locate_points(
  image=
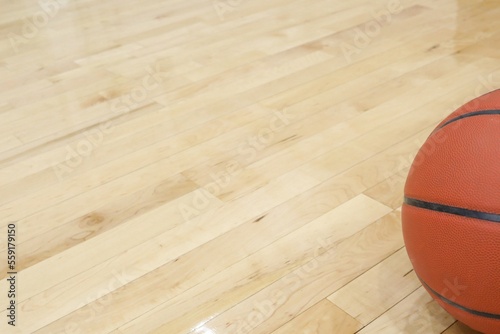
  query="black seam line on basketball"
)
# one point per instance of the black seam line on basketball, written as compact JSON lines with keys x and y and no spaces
{"x":492,"y":217}
{"x":461,"y":307}
{"x":471,"y":114}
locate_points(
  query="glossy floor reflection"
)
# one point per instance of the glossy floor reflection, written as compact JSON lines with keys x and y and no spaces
{"x":216,"y":166}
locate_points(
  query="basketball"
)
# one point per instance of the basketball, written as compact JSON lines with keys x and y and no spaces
{"x":451,"y":214}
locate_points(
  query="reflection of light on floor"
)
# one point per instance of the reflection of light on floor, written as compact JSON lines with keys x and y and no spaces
{"x":203,"y":330}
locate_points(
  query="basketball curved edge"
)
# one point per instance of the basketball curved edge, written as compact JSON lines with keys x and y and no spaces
{"x":486,"y":323}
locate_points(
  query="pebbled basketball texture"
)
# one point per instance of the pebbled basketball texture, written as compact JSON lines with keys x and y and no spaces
{"x":451,"y":215}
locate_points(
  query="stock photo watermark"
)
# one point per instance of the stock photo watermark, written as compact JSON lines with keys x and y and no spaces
{"x":224,"y":7}
{"x":487,"y":83}
{"x":248,"y":151}
{"x":364,"y":35}
{"x":424,"y":317}
{"x":92,"y":139}
{"x":35,"y":23}
{"x":12,"y":279}
{"x":96,"y":303}
{"x":264,"y":309}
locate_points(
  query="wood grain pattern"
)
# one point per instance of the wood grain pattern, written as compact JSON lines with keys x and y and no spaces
{"x":365,"y":300}
{"x":322,"y":318}
{"x":216,"y":166}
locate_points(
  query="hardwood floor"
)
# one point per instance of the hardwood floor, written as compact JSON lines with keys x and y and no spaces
{"x":224,"y":166}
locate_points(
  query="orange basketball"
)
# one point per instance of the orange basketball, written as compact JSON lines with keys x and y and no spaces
{"x":451,"y":214}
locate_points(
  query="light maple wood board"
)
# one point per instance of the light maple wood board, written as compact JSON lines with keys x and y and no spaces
{"x":216,"y":166}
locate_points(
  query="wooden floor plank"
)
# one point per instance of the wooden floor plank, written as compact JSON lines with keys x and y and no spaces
{"x":184,"y":314}
{"x":427,"y":317}
{"x":300,"y":284}
{"x":322,"y":318}
{"x":459,"y":328}
{"x":171,"y":166}
{"x":360,"y":299}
